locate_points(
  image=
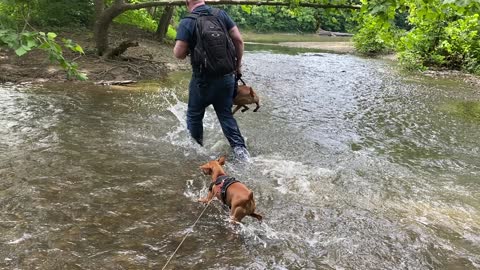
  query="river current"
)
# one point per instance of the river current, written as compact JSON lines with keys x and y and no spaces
{"x":355,"y":165}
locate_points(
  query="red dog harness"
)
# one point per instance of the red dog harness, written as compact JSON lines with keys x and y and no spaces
{"x":221,"y":185}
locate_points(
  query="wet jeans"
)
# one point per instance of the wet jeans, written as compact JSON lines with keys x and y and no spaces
{"x":219,"y":93}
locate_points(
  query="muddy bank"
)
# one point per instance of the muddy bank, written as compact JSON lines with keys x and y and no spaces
{"x":327,"y":46}
{"x":150,"y":60}
{"x":339,"y":47}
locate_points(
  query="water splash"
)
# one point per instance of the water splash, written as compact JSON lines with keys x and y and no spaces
{"x":294,"y":177}
{"x":180,"y":136}
{"x":24,"y":237}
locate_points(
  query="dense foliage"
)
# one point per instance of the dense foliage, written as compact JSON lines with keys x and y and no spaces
{"x":374,"y":36}
{"x":289,"y":19}
{"x":47,"y":12}
{"x":145,"y":20}
{"x":435,"y":33}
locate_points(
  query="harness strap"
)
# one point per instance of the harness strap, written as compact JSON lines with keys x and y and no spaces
{"x":222,"y":183}
{"x":225,"y":186}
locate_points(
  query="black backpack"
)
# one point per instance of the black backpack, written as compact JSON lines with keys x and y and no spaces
{"x":214,"y":53}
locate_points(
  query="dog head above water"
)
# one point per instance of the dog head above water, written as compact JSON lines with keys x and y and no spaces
{"x":213,"y":165}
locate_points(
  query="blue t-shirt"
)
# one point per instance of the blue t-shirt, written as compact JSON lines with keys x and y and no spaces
{"x":186,"y":28}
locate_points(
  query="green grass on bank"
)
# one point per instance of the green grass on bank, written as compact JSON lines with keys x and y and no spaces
{"x":286,"y":37}
{"x":281,"y":49}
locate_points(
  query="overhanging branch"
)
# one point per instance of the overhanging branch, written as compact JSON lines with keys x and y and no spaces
{"x":237,"y":2}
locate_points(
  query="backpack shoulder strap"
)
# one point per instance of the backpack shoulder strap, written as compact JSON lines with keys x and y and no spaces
{"x":192,"y":16}
{"x":211,"y":11}
{"x":215,"y":11}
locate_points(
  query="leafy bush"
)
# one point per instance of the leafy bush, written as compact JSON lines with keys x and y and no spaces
{"x":461,"y":44}
{"x":411,"y":61}
{"x":374,"y":36}
{"x":441,"y":33}
{"x":140,"y":18}
{"x":442,"y":38}
{"x":171,"y":33}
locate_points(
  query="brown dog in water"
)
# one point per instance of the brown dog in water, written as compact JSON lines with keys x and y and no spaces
{"x":245,"y":95}
{"x":230,"y":191}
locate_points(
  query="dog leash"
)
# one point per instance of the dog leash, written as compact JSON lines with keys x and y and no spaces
{"x":186,"y":235}
{"x":240,"y":79}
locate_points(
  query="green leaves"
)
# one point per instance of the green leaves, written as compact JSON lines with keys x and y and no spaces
{"x":21,"y":50}
{"x":51,"y":36}
{"x":139,"y":18}
{"x":374,"y":37}
{"x":443,"y":33}
{"x":289,"y":19}
{"x":26,"y":41}
{"x":247,"y":9}
{"x":55,"y":51}
{"x":9,"y":38}
{"x":460,"y":3}
{"x":68,"y":43}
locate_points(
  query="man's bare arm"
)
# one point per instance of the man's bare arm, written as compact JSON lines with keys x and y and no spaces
{"x":181,"y":49}
{"x":238,"y":43}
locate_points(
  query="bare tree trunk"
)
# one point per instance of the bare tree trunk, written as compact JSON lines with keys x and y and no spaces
{"x":99,"y":8}
{"x":102,"y":25}
{"x":164,"y":22}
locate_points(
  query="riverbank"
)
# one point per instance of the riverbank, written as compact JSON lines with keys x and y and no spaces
{"x":151,"y":60}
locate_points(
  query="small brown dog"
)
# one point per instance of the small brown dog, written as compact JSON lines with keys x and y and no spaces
{"x":245,"y":95}
{"x":230,"y":191}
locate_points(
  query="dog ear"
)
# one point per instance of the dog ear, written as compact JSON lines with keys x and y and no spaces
{"x":221,"y":160}
{"x":206,"y":169}
{"x":252,"y":94}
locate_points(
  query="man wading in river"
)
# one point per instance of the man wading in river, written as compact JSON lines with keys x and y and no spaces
{"x":215,"y":46}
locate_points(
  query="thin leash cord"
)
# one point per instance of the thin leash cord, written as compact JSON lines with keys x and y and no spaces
{"x":186,"y":235}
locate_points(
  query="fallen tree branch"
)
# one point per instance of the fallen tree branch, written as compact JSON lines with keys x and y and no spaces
{"x":103,"y":82}
{"x":120,"y":49}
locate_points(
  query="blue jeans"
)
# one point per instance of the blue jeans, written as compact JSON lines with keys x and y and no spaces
{"x":219,"y":93}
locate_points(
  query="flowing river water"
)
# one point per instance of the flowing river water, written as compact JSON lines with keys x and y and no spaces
{"x":354,"y":166}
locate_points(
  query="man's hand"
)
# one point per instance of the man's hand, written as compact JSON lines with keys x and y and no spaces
{"x":238,"y":72}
